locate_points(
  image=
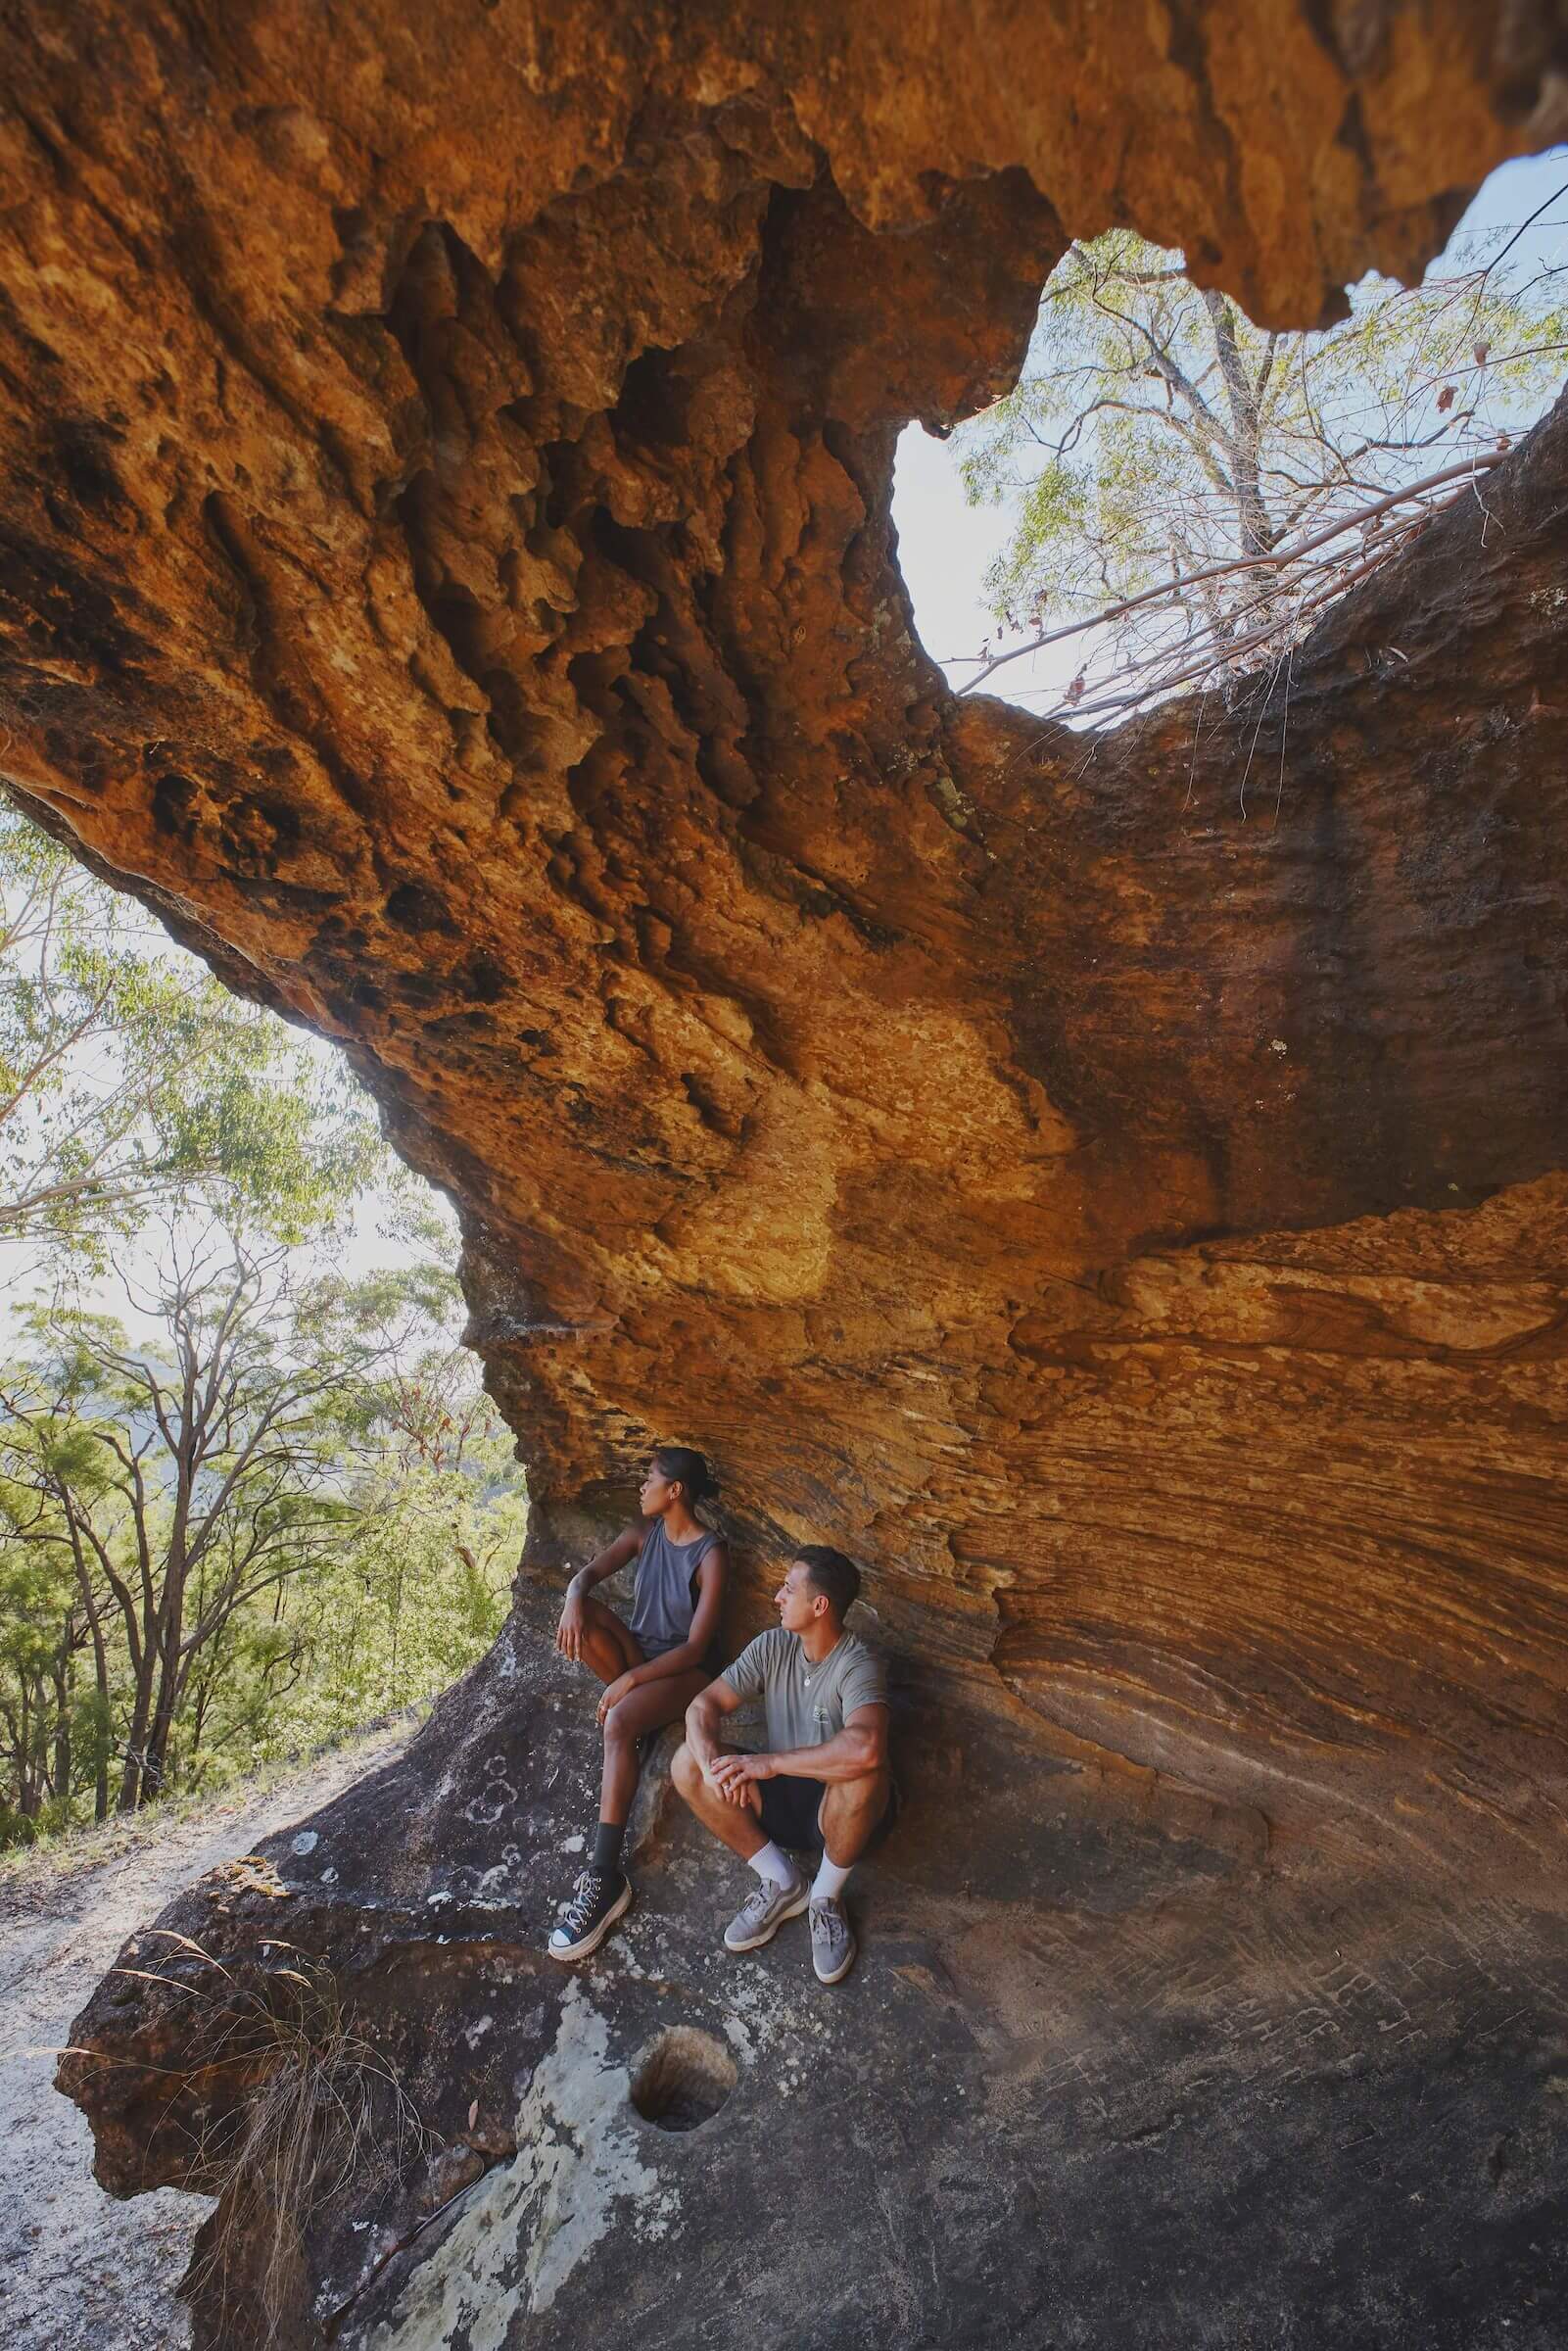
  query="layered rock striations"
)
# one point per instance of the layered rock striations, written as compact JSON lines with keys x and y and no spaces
{"x":1110,"y":1184}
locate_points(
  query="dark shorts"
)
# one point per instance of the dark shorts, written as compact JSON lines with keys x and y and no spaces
{"x":789,"y":1809}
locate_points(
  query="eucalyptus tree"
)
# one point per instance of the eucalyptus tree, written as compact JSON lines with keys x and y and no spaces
{"x":1187,"y":492}
{"x":281,"y":1504}
{"x":129,"y":1077}
{"x":186,"y":1472}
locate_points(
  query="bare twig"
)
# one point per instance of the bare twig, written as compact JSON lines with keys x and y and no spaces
{"x":1276,"y":560}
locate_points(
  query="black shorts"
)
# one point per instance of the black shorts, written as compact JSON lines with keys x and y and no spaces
{"x":789,"y":1810}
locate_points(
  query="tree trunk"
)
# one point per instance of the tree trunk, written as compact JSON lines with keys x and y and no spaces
{"x":130,"y":1780}
{"x":26,"y":1801}
{"x":157,"y":1751}
{"x":99,"y":1675}
{"x":60,"y":1780}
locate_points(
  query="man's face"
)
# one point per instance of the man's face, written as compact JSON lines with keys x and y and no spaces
{"x":797,"y":1599}
{"x":657,"y":1492}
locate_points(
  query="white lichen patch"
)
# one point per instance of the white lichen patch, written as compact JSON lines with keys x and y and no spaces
{"x":653,"y":2216}
{"x":306,"y":1842}
{"x":496,"y":1800}
{"x":488,"y":1889}
{"x":531,"y":2221}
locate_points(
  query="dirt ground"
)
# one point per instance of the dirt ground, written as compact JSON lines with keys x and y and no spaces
{"x":79,"y":2272}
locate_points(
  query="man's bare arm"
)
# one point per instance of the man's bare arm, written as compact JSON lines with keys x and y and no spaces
{"x":702,"y":1719}
{"x":858,"y":1750}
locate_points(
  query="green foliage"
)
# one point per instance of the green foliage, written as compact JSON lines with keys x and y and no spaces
{"x":416,"y":1593}
{"x":271,"y":1499}
{"x":287,"y":1510}
{"x":129,"y":1077}
{"x":1155,"y":433}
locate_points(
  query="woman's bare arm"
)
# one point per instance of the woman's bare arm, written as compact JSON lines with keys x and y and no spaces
{"x":626,"y":1546}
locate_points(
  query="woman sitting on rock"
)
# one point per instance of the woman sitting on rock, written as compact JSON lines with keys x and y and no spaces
{"x":652,"y":1669}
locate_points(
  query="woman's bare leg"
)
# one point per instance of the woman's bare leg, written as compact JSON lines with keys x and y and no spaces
{"x":609,"y":1648}
{"x":648,"y":1708}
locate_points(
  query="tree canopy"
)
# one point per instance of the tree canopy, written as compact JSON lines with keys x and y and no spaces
{"x":252,"y":1494}
{"x":129,"y":1077}
{"x":1187,"y":492}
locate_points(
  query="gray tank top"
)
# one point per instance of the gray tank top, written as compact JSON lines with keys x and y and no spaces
{"x":662,"y":1604}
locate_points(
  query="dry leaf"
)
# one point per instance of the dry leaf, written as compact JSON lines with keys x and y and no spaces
{"x":1445,"y":396}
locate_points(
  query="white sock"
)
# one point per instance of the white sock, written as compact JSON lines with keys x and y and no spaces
{"x":830,"y":1880}
{"x":774,"y":1867}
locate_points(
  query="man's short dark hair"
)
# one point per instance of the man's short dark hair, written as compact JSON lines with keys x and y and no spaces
{"x":832,"y":1575}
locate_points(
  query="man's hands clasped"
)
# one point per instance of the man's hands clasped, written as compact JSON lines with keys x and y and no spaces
{"x":735,"y":1777}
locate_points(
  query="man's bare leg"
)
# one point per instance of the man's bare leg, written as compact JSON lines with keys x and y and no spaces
{"x":848,"y":1817}
{"x":735,"y":1825}
{"x":850,"y":1814}
{"x":780,"y":1892}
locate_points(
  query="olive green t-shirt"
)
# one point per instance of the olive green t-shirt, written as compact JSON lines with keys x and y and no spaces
{"x":806,"y":1704}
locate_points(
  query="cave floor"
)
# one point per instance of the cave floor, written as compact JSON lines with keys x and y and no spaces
{"x":1105,"y":2077}
{"x":1091,"y":2085}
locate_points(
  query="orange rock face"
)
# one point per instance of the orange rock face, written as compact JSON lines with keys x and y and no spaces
{"x":1110,"y":1185}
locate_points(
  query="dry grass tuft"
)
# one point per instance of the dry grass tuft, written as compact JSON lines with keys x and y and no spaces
{"x":322,"y":2110}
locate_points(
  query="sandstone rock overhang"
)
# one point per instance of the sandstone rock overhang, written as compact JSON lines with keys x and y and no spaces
{"x":446,"y":568}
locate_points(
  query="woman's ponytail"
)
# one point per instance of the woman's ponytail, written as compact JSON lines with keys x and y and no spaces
{"x":684,"y":1462}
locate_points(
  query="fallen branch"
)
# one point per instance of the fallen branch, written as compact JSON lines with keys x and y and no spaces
{"x":1277,"y":560}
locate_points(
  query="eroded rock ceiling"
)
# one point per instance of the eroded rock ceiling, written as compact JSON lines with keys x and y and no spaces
{"x":1113,"y":1186}
{"x":447,"y":570}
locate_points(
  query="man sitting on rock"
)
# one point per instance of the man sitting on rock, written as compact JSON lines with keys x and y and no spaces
{"x":822,"y":1786}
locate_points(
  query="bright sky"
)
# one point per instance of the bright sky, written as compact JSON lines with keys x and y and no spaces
{"x":945,"y":543}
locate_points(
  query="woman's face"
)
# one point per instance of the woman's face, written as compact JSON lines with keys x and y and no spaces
{"x":657,"y":1492}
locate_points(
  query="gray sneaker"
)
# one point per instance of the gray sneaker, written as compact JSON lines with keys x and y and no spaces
{"x":763,"y":1913}
{"x":833,"y":1940}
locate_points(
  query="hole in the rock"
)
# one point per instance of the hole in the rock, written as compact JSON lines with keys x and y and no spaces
{"x":683,"y":2077}
{"x":1079,"y":549}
